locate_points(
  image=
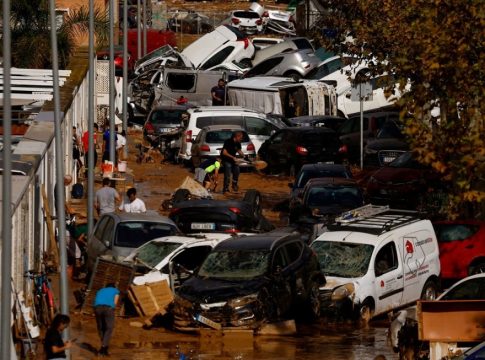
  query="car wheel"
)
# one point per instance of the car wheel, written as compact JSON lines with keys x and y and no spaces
{"x":314,"y":301}
{"x":253,"y":197}
{"x":430,"y":290}
{"x":181,"y":195}
{"x":294,"y":75}
{"x":366,"y":311}
{"x":478,"y":268}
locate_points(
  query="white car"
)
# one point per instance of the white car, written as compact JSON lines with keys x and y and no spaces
{"x":163,"y":257}
{"x":247,"y":21}
{"x":233,"y":67}
{"x":263,"y":42}
{"x":163,"y":56}
{"x":224,"y":44}
{"x":377,"y":259}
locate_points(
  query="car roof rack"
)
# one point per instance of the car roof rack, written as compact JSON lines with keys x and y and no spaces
{"x":373,"y":219}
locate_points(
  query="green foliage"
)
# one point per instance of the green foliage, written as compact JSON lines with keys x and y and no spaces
{"x":30,"y":33}
{"x":437,"y":47}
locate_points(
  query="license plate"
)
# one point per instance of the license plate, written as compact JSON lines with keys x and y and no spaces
{"x":164,"y":130}
{"x":203,"y":226}
{"x":208,"y":322}
{"x":388,"y":159}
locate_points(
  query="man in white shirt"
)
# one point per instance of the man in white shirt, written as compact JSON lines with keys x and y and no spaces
{"x":134,"y":205}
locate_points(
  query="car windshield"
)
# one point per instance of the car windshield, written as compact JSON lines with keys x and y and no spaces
{"x":166,"y":116}
{"x":165,"y":50}
{"x":216,"y":137}
{"x":246,"y":14}
{"x":235,"y":264}
{"x":311,"y":174}
{"x":390,"y":130}
{"x":347,"y":196}
{"x":154,"y":252}
{"x":342,"y":259}
{"x":133,"y":234}
{"x":406,"y":161}
{"x":473,"y":289}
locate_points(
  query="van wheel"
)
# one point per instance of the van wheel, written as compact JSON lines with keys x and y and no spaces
{"x":430,"y":291}
{"x":366,"y":311}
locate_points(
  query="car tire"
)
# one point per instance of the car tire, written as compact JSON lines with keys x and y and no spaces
{"x":253,"y":197}
{"x":294,"y":75}
{"x":313,"y":301}
{"x":181,"y":195}
{"x":430,"y":290}
{"x":478,"y":268}
{"x":366,"y":311}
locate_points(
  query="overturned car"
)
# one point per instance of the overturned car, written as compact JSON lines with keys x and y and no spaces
{"x":246,"y":282}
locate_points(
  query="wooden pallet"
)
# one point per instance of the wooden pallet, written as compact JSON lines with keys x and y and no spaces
{"x":151,"y":299}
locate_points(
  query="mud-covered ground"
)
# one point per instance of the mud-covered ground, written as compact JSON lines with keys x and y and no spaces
{"x":323,"y":340}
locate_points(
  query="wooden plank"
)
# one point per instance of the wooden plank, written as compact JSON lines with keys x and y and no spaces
{"x":135,"y":303}
{"x":50,"y":228}
{"x":451,"y":320}
{"x":144,"y":299}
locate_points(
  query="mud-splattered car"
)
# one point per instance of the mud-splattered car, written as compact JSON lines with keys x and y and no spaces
{"x":245,"y":282}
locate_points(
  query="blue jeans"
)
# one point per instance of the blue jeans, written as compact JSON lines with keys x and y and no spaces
{"x":230,"y":168}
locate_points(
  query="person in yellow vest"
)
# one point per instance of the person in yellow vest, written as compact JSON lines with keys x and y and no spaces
{"x":208,"y":173}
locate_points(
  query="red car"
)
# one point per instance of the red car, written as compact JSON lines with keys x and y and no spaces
{"x":462,"y":247}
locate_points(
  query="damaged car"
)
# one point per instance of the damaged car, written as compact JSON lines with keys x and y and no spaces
{"x":248,"y":281}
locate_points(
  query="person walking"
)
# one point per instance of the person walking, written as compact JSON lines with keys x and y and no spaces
{"x":85,"y":142}
{"x":231,"y":148}
{"x":106,"y":143}
{"x":105,"y":303}
{"x":208,"y":172}
{"x":218,"y":93}
{"x":54,"y":346}
{"x":135,"y":205}
{"x":106,"y":198}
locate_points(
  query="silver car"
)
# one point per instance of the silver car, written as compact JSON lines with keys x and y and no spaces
{"x":294,"y":64}
{"x":210,"y":140}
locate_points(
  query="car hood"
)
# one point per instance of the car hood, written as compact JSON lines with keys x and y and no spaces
{"x":388,"y":144}
{"x":197,"y":289}
{"x":396,"y":175}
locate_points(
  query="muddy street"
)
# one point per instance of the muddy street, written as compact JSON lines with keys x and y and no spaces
{"x":155,"y":182}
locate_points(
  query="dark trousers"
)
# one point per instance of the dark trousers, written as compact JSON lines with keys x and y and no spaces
{"x":105,"y":322}
{"x":230,"y":168}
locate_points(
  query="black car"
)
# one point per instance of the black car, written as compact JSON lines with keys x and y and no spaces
{"x":247,"y":281}
{"x":288,"y":149}
{"x":388,"y":145}
{"x":325,"y":198}
{"x":318,"y":170}
{"x":164,"y":120}
{"x":209,"y":215}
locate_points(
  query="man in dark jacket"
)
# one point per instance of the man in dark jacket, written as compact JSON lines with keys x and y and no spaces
{"x":231,"y":148}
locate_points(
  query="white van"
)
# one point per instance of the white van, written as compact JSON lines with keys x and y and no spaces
{"x":275,"y":95}
{"x":258,"y":126}
{"x":377,"y":259}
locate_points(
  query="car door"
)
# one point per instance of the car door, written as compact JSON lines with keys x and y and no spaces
{"x":259,"y":130}
{"x":295,"y":273}
{"x":281,"y":287}
{"x":102,"y":240}
{"x":271,"y":149}
{"x":389,"y":279}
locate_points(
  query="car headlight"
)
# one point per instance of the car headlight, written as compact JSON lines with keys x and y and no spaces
{"x":343,"y":292}
{"x":242,"y":301}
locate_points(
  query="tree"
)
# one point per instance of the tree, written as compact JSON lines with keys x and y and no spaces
{"x":30,"y":33}
{"x":437,"y":48}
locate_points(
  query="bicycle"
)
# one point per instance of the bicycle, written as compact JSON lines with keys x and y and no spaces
{"x":44,"y":303}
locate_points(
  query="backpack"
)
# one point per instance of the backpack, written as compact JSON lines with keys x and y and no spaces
{"x":77,"y":191}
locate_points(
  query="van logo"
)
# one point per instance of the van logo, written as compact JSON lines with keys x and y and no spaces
{"x":409,"y":247}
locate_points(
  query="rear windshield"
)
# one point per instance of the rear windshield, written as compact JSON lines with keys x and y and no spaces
{"x":311,"y":174}
{"x":346,"y":196}
{"x":312,"y":138}
{"x":303,"y":44}
{"x":133,"y":234}
{"x":216,"y":137}
{"x":246,"y":14}
{"x":166,"y":116}
{"x":204,"y":121}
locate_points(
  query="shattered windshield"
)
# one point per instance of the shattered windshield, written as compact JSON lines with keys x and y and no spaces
{"x":153,"y":253}
{"x":342,"y":259}
{"x":235,"y":264}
